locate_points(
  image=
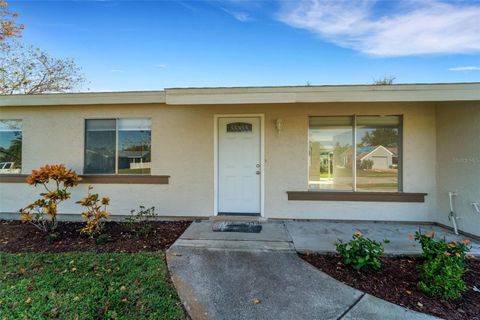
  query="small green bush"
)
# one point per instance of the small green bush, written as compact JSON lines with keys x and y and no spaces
{"x":442,"y":276}
{"x":432,"y":248}
{"x":139,"y":222}
{"x":361,"y":253}
{"x":366,"y":164}
{"x":444,"y":266}
{"x":102,"y":238}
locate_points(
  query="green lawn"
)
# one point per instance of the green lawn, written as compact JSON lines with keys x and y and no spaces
{"x":347,"y":172}
{"x":376,"y":186}
{"x":376,"y":174}
{"x":86,"y":285}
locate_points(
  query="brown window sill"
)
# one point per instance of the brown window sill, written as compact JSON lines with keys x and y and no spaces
{"x":356,"y":196}
{"x":98,"y":179}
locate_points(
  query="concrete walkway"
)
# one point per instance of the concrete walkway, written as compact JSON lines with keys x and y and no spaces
{"x":259,"y":276}
{"x":320,"y":236}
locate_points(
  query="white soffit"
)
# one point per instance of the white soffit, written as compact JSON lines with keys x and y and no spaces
{"x":353,"y":93}
{"x":86,"y":98}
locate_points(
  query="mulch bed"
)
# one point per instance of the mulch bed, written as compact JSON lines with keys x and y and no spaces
{"x":16,"y":236}
{"x":397,"y":282}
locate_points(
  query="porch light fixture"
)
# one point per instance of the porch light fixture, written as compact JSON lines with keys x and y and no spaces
{"x":279,"y":125}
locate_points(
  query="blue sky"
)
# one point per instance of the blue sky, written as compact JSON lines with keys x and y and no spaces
{"x":150,"y":45}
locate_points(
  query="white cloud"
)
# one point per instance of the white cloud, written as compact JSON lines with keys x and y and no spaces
{"x":117,"y":70}
{"x":466,"y":68}
{"x":413,"y":28}
{"x":160,"y":65}
{"x":239,"y":15}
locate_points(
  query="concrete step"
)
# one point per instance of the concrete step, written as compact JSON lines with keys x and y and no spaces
{"x":234,"y":245}
{"x":238,"y":218}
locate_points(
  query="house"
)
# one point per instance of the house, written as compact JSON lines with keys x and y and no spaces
{"x":274,"y":152}
{"x":380,"y":157}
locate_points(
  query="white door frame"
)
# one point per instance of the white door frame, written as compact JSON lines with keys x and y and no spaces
{"x":262,"y":157}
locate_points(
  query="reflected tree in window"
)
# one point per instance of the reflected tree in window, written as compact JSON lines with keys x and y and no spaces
{"x":10,"y":146}
{"x":387,"y":137}
{"x":371,"y":164}
{"x":378,"y":152}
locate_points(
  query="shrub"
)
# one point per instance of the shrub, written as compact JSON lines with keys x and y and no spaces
{"x":444,"y":266}
{"x":139,"y":222}
{"x":102,"y":239}
{"x":360,"y":252}
{"x":442,"y":276}
{"x":56,"y":180}
{"x":366,"y":164}
{"x":96,"y":213}
{"x":432,"y":248}
{"x":324,"y":168}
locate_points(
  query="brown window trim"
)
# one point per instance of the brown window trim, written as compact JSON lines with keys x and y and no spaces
{"x":356,"y":196}
{"x":99,"y":179}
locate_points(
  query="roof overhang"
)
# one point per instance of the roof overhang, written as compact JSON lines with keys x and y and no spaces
{"x":260,"y":95}
{"x":318,"y":94}
{"x":84,"y":98}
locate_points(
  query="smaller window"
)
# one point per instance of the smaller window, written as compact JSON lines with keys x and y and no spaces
{"x":118,"y":146}
{"x":10,"y":146}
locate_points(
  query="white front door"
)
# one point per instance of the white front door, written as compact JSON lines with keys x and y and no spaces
{"x":239,"y":171}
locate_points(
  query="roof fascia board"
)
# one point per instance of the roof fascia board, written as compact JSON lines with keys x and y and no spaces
{"x":390,"y":93}
{"x":83,"y":98}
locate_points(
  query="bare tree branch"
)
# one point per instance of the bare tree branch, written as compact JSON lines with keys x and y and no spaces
{"x":29,"y":70}
{"x":386,"y":80}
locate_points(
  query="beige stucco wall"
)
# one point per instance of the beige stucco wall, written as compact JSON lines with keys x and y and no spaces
{"x":182,"y":147}
{"x":458,"y":162}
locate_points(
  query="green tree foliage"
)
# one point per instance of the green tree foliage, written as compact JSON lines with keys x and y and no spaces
{"x":14,"y":152}
{"x":387,"y":137}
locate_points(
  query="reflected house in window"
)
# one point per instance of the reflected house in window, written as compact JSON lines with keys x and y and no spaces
{"x":118,"y":146}
{"x":372,"y":157}
{"x":134,"y":160}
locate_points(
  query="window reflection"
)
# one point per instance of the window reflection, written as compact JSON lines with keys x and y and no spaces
{"x":377,"y":158}
{"x":334,"y":159}
{"x":118,"y":146}
{"x":134,"y":136}
{"x":10,"y":146}
{"x":100,"y":146}
{"x":330,"y":146}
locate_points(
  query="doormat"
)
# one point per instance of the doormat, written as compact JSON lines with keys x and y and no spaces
{"x":236,"y":226}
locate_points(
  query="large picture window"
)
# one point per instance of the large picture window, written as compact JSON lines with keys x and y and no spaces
{"x":355,"y":153}
{"x":10,"y":146}
{"x":118,"y":146}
